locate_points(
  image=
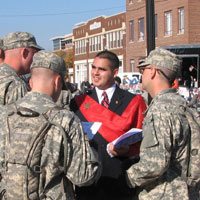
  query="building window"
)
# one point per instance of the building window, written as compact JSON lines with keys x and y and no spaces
{"x":131,"y":30}
{"x":80,"y":47}
{"x":132,"y":65}
{"x":141,"y":29}
{"x":114,"y":40}
{"x":156,"y":25}
{"x":181,"y":21}
{"x":95,"y":43}
{"x":56,"y":44}
{"x":80,"y":73}
{"x":168,"y":23}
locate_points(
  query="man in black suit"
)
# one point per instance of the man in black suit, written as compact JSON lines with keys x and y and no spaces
{"x":119,"y":111}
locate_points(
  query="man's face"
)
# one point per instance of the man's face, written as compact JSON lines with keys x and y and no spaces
{"x":145,"y":77}
{"x":102,"y":74}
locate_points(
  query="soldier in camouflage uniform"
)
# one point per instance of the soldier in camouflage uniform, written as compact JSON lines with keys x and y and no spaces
{"x":83,"y":168}
{"x":19,"y":48}
{"x":1,"y":51}
{"x":164,"y":150}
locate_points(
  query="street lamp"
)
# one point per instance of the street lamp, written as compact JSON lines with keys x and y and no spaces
{"x":150,"y":25}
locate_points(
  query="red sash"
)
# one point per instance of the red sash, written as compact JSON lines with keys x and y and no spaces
{"x":113,"y":125}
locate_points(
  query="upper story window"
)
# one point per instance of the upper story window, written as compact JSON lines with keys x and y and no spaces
{"x":80,"y":47}
{"x":168,"y":23}
{"x":114,"y":40}
{"x":56,"y":44}
{"x":96,"y":43}
{"x":181,"y":20}
{"x":131,"y":30}
{"x":141,"y":29}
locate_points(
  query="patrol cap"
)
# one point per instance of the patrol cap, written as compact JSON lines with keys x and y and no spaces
{"x":162,"y":59}
{"x":49,"y":60}
{"x":20,"y":39}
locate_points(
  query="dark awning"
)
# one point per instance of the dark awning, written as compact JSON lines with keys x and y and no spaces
{"x":184,"y":49}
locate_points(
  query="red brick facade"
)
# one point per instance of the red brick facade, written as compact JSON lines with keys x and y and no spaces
{"x":136,"y":9}
{"x":99,"y":29}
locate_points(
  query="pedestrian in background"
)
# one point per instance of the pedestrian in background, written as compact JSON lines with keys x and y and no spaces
{"x":164,"y":152}
{"x":85,"y":86}
{"x":19,"y":48}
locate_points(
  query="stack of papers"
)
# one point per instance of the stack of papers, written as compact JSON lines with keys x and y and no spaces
{"x":132,"y":136}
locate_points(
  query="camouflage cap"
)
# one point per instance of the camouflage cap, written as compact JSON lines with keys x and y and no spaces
{"x":49,"y":60}
{"x":1,"y":43}
{"x":20,"y":39}
{"x":162,"y":59}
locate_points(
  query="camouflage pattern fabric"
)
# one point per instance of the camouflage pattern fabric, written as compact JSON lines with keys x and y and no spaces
{"x":49,"y":60}
{"x":20,"y":39}
{"x":193,"y":178}
{"x":164,"y":154}
{"x":12,"y":87}
{"x":162,"y":59}
{"x":83,"y":167}
{"x":64,"y":99}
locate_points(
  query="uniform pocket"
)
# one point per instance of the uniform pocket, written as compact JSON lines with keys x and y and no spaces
{"x":150,"y":138}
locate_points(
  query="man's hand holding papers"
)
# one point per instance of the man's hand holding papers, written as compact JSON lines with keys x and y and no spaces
{"x":120,"y":146}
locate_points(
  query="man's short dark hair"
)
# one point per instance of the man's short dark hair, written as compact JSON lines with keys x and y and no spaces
{"x":112,"y":57}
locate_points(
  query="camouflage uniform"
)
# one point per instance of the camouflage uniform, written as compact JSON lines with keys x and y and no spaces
{"x":12,"y":87}
{"x":64,"y":99}
{"x":164,"y":153}
{"x":83,"y":167}
{"x":164,"y":150}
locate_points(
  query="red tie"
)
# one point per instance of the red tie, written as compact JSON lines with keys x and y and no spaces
{"x":105,"y":101}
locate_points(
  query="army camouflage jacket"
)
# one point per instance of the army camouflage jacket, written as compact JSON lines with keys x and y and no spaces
{"x":83,"y":167}
{"x":164,"y":150}
{"x":12,"y":87}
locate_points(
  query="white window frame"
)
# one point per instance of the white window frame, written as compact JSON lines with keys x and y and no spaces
{"x":168,"y":23}
{"x":141,"y":29}
{"x":114,"y":39}
{"x":181,"y":20}
{"x":132,"y":65}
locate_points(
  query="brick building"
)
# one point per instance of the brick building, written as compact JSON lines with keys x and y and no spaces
{"x":177,"y":28}
{"x":96,"y":35}
{"x":65,"y":44}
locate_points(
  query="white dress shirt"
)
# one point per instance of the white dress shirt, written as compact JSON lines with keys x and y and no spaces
{"x":108,"y":91}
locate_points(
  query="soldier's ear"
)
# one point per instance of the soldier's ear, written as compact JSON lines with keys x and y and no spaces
{"x":24,"y":52}
{"x":153,"y":72}
{"x":58,"y":82}
{"x":31,"y":83}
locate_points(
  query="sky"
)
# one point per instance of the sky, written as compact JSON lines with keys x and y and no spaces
{"x":46,"y":19}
